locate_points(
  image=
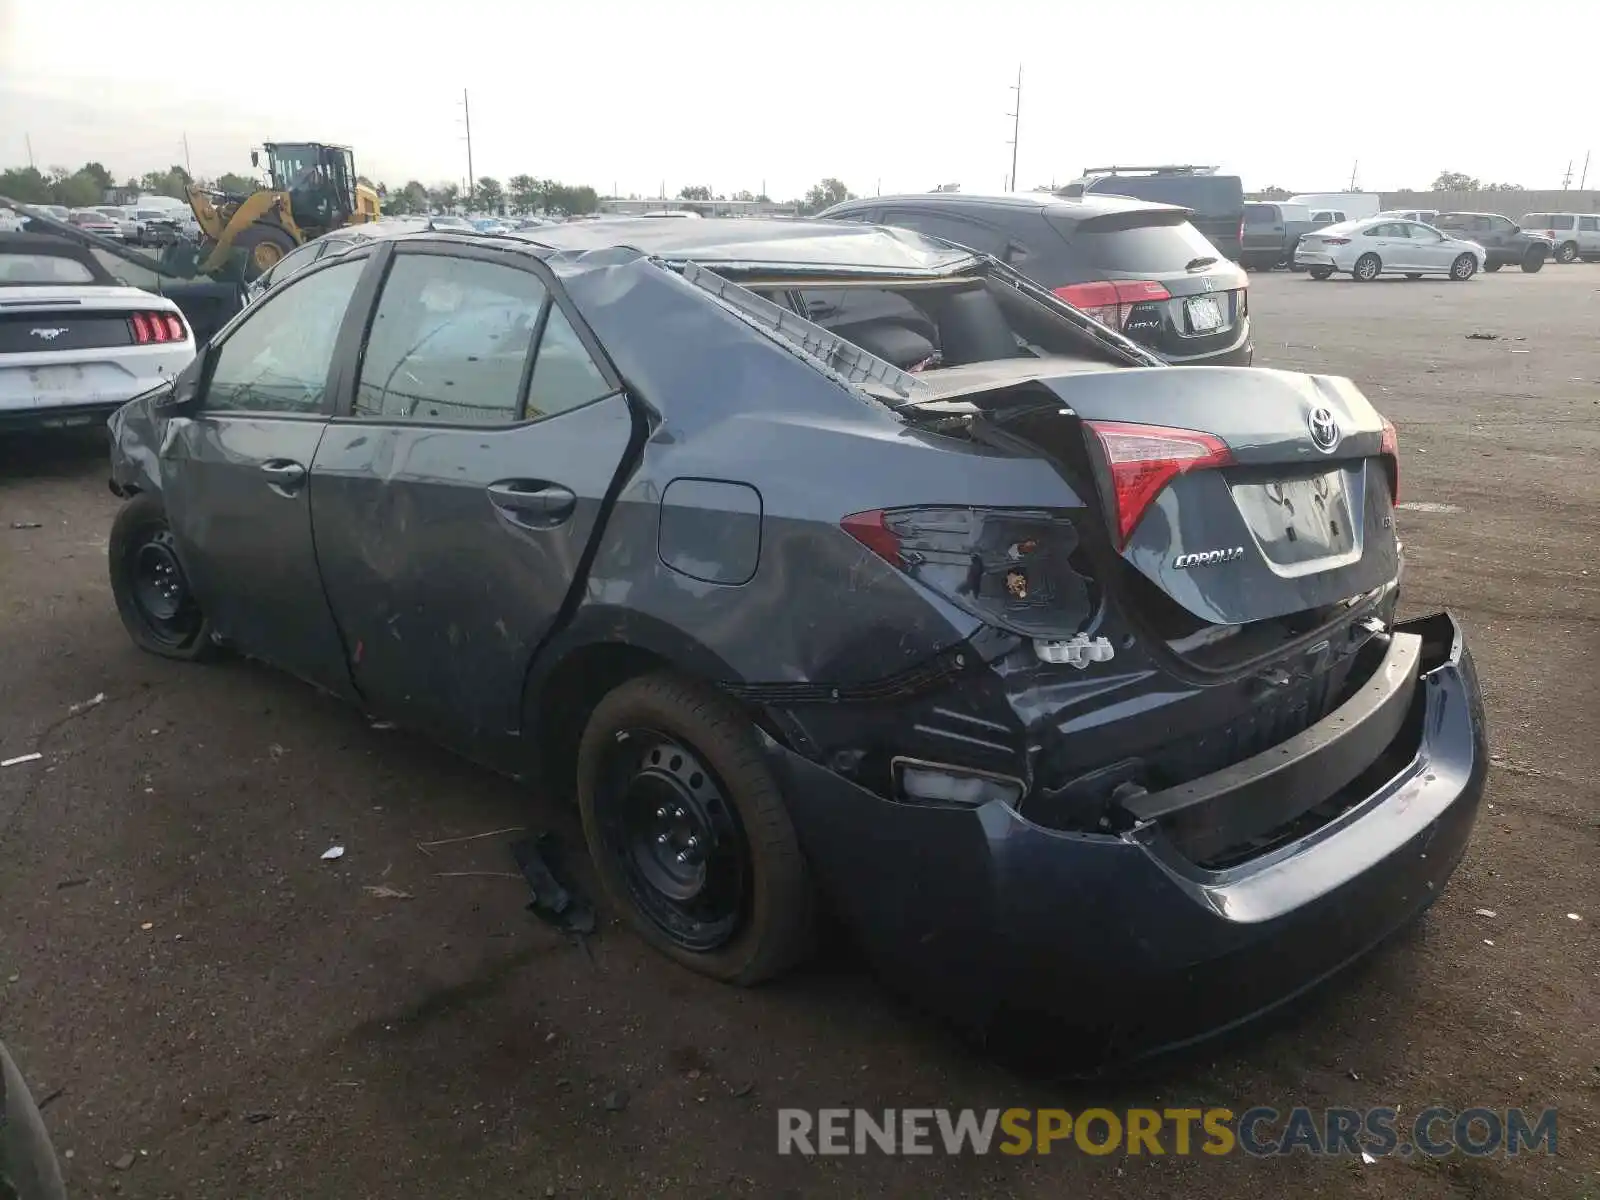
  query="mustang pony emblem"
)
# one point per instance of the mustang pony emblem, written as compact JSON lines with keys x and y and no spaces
{"x":48,"y":335}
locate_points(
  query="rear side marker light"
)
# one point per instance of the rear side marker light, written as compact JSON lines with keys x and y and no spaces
{"x":943,"y":783}
{"x":152,"y":328}
{"x":1143,"y":459}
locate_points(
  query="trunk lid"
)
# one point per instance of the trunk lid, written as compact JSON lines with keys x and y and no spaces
{"x":1286,"y":524}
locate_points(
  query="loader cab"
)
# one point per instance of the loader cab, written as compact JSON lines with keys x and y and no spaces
{"x":320,"y":181}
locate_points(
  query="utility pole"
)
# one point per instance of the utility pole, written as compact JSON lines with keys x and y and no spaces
{"x":1566,"y":180}
{"x":1584,"y":178}
{"x":28,"y":137}
{"x":188,"y":169}
{"x":1354,"y":167}
{"x":1016,"y":127}
{"x":466,"y":111}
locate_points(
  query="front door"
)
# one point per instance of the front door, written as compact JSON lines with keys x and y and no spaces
{"x":237,"y":480}
{"x":453,"y":502}
{"x":1430,"y":252}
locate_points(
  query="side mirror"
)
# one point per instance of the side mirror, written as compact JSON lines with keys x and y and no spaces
{"x":183,"y":397}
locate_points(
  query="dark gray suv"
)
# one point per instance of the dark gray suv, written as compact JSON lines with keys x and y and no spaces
{"x":1140,"y":267}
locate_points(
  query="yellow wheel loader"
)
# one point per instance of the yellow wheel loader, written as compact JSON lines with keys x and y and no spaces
{"x":313,"y":189}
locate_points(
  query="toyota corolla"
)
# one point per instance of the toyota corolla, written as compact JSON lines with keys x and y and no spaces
{"x":833,"y":567}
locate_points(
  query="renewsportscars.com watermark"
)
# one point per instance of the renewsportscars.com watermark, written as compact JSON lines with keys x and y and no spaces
{"x":1260,"y":1131}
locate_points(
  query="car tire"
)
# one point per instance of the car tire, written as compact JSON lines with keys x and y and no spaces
{"x":1321,"y":273}
{"x":149,"y":587}
{"x":1464,"y":268}
{"x":264,"y":247}
{"x":1368,"y":267}
{"x":662,"y":762}
{"x":1567,"y":252}
{"x":1492,"y":265}
{"x":1533,"y":261}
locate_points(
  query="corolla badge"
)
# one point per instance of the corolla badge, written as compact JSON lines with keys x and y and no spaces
{"x":1208,"y":558}
{"x":1324,"y":430}
{"x":48,"y":335}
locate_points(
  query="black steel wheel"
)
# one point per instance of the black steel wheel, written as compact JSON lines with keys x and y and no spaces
{"x":1321,"y":273}
{"x":669,"y":827}
{"x":148,"y":582}
{"x":688,"y":830}
{"x":1533,"y":260}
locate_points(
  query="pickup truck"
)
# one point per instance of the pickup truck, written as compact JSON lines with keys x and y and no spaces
{"x":1272,"y":229}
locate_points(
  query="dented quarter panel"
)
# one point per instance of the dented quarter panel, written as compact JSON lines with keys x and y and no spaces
{"x":729,"y":403}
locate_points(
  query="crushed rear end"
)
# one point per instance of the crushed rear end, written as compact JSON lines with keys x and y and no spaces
{"x":1190,"y":765}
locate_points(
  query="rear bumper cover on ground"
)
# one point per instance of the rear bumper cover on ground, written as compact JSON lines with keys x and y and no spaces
{"x":1012,"y":930}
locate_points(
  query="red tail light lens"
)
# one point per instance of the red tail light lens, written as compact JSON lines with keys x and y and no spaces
{"x":1327,"y":241}
{"x":1010,"y":568}
{"x":1390,"y":449}
{"x":1109,"y":301}
{"x":153,"y":327}
{"x":1143,"y":459}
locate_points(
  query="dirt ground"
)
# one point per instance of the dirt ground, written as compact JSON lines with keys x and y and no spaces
{"x":195,"y":988}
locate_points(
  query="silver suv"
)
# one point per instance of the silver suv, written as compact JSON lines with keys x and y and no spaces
{"x":1574,"y":235}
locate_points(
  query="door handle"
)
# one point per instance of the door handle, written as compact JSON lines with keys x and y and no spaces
{"x":533,"y":503}
{"x":283,"y":476}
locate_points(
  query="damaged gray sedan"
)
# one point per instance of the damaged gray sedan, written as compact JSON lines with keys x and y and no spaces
{"x":837,"y":569}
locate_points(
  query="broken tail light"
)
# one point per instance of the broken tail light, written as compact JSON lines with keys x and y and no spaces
{"x":1110,"y":301}
{"x":1010,"y":568}
{"x":1390,"y":449}
{"x":1143,"y":459}
{"x":149,"y":328}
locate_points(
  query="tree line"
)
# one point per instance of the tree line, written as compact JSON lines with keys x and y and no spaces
{"x":521,"y":194}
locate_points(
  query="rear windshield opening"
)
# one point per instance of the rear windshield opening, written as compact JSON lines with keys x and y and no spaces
{"x":42,"y":268}
{"x":919,"y":327}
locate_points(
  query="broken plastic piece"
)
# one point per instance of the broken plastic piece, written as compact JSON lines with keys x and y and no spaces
{"x":332,"y":852}
{"x":21,"y":758}
{"x":538,"y":858}
{"x":1078,"y":652}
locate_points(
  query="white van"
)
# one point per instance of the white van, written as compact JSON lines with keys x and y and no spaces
{"x":1343,"y":206}
{"x":1574,"y":235}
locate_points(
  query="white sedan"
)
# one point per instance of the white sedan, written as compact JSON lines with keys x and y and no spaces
{"x":75,"y":343}
{"x":1381,"y":245}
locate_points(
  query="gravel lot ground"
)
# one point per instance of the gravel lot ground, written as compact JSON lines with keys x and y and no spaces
{"x":198,"y":990}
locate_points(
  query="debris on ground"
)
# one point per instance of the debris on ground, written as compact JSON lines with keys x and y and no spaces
{"x":1485,"y":912}
{"x":126,"y":1161}
{"x":616,"y":1101}
{"x":428,"y":848}
{"x":255,"y":1118}
{"x":275,"y":750}
{"x":332,"y":852}
{"x":539,"y":859}
{"x":97,"y":699}
{"x":21,"y":758}
{"x":1483,"y":337}
{"x":148,"y":926}
{"x":381,"y":725}
{"x":384,"y":892}
{"x":1574,"y":917}
{"x":26,"y":525}
{"x":72,"y":883}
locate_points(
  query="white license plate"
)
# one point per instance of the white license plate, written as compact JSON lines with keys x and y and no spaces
{"x":1205,"y":315}
{"x":53,"y":381}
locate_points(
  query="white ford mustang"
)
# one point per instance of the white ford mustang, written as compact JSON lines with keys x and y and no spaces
{"x":75,"y":343}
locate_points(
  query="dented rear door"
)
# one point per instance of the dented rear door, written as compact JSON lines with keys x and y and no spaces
{"x":456,"y":496}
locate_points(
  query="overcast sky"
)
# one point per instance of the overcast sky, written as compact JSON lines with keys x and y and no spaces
{"x":883,"y":94}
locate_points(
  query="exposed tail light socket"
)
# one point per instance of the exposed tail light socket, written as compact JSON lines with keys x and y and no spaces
{"x":942,"y":783}
{"x":1143,"y":459}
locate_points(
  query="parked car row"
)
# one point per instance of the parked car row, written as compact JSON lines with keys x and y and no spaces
{"x":1057,"y":687}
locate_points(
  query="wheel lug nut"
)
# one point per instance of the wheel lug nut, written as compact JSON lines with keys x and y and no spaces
{"x":683,"y":856}
{"x":661,"y":839}
{"x":693,"y":842}
{"x":662,"y":812}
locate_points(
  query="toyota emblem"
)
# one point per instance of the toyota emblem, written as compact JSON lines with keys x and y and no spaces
{"x":1324,"y":430}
